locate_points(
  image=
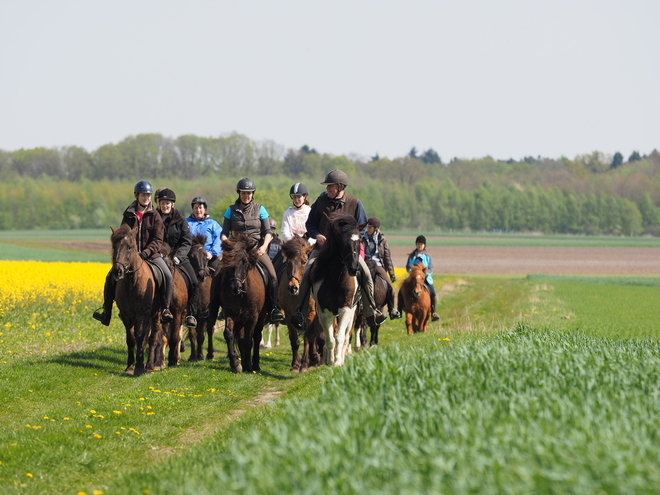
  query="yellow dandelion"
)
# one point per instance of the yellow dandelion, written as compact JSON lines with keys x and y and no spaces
{"x":92,"y":411}
{"x":96,"y":435}
{"x":116,"y":412}
{"x":29,"y":475}
{"x":88,"y":426}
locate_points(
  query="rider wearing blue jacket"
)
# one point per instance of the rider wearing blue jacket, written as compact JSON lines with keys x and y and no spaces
{"x":420,"y":256}
{"x":201,"y":223}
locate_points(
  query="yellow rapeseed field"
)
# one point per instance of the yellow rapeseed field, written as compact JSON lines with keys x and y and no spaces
{"x":27,"y":282}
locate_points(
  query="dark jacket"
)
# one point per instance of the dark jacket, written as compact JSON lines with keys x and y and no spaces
{"x":177,"y":234}
{"x":383,"y":252}
{"x":150,"y":229}
{"x":247,"y":219}
{"x":317,"y":221}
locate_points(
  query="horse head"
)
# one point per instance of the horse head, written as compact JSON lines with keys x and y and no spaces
{"x":418,"y":275}
{"x":124,"y":250}
{"x":344,"y":238}
{"x":198,"y":258}
{"x":295,"y":253}
{"x":239,"y":253}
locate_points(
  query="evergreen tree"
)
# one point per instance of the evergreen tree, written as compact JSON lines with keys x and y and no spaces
{"x":617,"y":160}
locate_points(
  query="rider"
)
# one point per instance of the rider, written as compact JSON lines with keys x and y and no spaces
{"x":420,"y":256}
{"x":201,"y":223}
{"x":246,"y":216}
{"x":149,"y":238}
{"x":275,"y":245}
{"x":177,"y":236}
{"x":295,"y":216}
{"x":336,"y":199}
{"x":377,"y":250}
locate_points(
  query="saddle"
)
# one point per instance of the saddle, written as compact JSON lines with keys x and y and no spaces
{"x":264,"y":274}
{"x":159,"y":276}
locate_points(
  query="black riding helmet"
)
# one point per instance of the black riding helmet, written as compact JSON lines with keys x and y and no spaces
{"x":336,"y":177}
{"x":143,"y":186}
{"x":246,"y":184}
{"x":165,"y":194}
{"x":298,"y":189}
{"x":200,"y":200}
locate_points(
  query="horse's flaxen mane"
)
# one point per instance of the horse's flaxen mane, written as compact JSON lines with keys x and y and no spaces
{"x":241,"y":248}
{"x":293,"y":248}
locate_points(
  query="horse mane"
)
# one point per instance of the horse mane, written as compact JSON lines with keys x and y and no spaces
{"x":117,"y":235}
{"x":408,"y":283}
{"x":342,"y":222}
{"x":293,"y":248}
{"x":237,"y":249}
{"x":199,"y":239}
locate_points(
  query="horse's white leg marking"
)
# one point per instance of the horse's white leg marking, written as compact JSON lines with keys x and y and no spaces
{"x":263,"y":344}
{"x":326,"y":318}
{"x":345,"y":321}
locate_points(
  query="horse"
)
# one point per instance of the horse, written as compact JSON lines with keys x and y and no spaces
{"x":292,"y":259}
{"x":416,"y":300}
{"x":205,"y":324}
{"x":240,"y":290}
{"x":137,"y":299}
{"x":267,"y":343}
{"x":381,"y":296}
{"x":333,"y":278}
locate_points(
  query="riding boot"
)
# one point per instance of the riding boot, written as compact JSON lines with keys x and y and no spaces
{"x":108,"y":298}
{"x":369,"y":310}
{"x":434,"y":315}
{"x":394,"y":314}
{"x":191,"y":321}
{"x":275,"y":315}
{"x":166,"y":315}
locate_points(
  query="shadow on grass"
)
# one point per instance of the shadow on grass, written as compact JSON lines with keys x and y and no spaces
{"x":101,"y":359}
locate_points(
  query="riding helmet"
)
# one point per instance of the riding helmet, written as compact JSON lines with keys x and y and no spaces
{"x":420,"y":238}
{"x":143,"y":186}
{"x":374,"y":222}
{"x":336,"y":177}
{"x":246,"y":185}
{"x":165,"y":194}
{"x":298,"y":189}
{"x":200,"y":200}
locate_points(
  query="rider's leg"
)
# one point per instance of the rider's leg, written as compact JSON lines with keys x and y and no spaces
{"x":434,"y":315}
{"x":108,"y":298}
{"x":193,"y":294}
{"x":166,"y":315}
{"x":369,"y":310}
{"x":275,"y":314}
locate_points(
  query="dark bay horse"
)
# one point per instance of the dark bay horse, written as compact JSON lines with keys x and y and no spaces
{"x":382,"y":295}
{"x":205,"y":324}
{"x":240,"y":290}
{"x":333,"y":278}
{"x":416,"y":300}
{"x":138,"y":300}
{"x":295,"y":253}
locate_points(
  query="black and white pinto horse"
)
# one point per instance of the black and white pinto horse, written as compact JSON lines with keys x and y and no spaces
{"x":334,"y":283}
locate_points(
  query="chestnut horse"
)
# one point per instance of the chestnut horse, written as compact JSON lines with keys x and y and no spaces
{"x":294,"y":255}
{"x":138,"y":300}
{"x":416,"y":300}
{"x":333,"y":278}
{"x":381,"y":289}
{"x":239,"y":289}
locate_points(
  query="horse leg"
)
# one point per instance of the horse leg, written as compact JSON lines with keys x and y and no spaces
{"x":277,"y":334}
{"x":256,"y":338}
{"x":409,"y":323}
{"x":234,"y":363}
{"x":141,"y":338}
{"x":344,"y":323}
{"x":295,"y":349}
{"x":130,"y":344}
{"x":267,"y":344}
{"x":174,"y":356}
{"x":374,"y":335}
{"x":192,"y":338}
{"x":210,"y":329}
{"x":327,"y":322}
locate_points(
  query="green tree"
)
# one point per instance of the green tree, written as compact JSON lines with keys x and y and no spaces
{"x":617,"y":160}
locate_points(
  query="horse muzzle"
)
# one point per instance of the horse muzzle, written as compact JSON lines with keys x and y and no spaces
{"x":294,"y":289}
{"x":119,"y":271}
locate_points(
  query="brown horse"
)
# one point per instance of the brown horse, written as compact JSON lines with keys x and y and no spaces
{"x":205,"y":324}
{"x":294,"y":254}
{"x":138,"y":300}
{"x":333,"y":278}
{"x":416,"y":300}
{"x":382,"y":295}
{"x":240,"y":290}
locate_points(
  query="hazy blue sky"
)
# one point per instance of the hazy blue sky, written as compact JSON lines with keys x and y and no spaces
{"x":469,"y":78}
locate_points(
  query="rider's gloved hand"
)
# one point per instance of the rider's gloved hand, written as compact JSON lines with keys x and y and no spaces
{"x":393,"y":278}
{"x":177,"y":261}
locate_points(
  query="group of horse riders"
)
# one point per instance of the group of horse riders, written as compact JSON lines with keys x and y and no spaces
{"x":165,"y":224}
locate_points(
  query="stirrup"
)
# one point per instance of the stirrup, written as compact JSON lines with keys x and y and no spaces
{"x":298,"y":320}
{"x":166,"y":316}
{"x":191,"y":322}
{"x":276,"y":316}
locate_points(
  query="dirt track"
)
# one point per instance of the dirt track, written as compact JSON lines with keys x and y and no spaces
{"x":472,"y":260}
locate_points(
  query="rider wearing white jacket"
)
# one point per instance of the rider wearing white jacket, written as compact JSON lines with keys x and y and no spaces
{"x":295,"y":217}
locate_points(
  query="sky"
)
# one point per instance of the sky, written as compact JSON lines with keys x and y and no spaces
{"x":468,"y":78}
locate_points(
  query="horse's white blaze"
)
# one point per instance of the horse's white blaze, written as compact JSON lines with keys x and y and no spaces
{"x":355,"y":237}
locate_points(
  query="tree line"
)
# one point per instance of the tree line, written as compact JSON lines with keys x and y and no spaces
{"x":67,"y":188}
